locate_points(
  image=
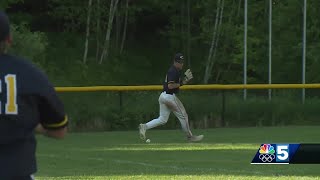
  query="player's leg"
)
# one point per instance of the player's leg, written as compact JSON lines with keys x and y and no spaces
{"x":162,"y":119}
{"x":164,"y":113}
{"x":181,"y":114}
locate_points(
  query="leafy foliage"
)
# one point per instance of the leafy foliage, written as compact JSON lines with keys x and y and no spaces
{"x":53,"y":36}
{"x":6,"y":3}
{"x":31,"y":45}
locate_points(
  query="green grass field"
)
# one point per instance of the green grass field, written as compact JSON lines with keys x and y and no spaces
{"x":225,"y":153}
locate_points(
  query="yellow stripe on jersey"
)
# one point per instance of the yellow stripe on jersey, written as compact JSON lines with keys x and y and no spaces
{"x":11,"y":106}
{"x":64,"y":122}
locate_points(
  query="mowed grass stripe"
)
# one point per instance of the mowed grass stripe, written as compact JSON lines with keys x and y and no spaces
{"x":225,"y":153}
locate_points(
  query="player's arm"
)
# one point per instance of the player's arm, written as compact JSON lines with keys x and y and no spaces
{"x":173,"y":85}
{"x":57,"y":134}
{"x":184,"y":81}
{"x":188,"y":76}
{"x":172,"y":78}
{"x":53,"y":120}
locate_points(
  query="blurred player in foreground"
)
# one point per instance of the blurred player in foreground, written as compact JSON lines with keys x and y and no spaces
{"x":28,"y":104}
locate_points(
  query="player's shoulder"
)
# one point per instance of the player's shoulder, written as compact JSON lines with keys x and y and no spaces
{"x":24,"y":68}
{"x":19,"y":62}
{"x":172,"y":69}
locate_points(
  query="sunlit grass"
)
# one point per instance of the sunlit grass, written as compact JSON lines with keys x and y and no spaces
{"x":174,"y":147}
{"x":203,"y":177}
{"x":224,"y":154}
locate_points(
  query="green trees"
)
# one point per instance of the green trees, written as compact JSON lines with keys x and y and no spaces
{"x":209,"y":33}
{"x":6,"y":3}
{"x":31,"y":45}
{"x":128,"y":42}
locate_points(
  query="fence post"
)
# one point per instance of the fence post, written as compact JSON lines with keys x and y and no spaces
{"x":120,"y":100}
{"x":223,"y":108}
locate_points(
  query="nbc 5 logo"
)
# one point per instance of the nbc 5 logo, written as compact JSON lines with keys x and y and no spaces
{"x":282,"y":153}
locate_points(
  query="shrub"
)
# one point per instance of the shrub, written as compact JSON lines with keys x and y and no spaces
{"x":30,"y":45}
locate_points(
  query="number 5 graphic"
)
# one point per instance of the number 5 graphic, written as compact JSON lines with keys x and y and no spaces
{"x":11,"y":106}
{"x":282,"y":152}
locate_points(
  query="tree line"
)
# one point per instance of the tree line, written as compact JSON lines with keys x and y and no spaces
{"x":209,"y":33}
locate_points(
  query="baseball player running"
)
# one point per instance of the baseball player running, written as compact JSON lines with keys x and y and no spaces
{"x":169,"y":102}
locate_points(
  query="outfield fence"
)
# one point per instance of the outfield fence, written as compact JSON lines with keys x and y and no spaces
{"x":188,"y":87}
{"x":223,"y":100}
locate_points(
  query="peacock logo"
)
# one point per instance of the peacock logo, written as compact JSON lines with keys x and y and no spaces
{"x":266,"y":149}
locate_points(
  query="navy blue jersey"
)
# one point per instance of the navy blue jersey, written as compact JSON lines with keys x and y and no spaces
{"x":26,"y":99}
{"x":173,"y":76}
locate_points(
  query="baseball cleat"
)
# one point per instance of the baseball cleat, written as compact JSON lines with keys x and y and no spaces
{"x":195,"y":138}
{"x":142,"y":131}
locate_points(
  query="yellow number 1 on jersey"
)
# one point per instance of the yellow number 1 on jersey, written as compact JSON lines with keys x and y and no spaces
{"x":11,"y":106}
